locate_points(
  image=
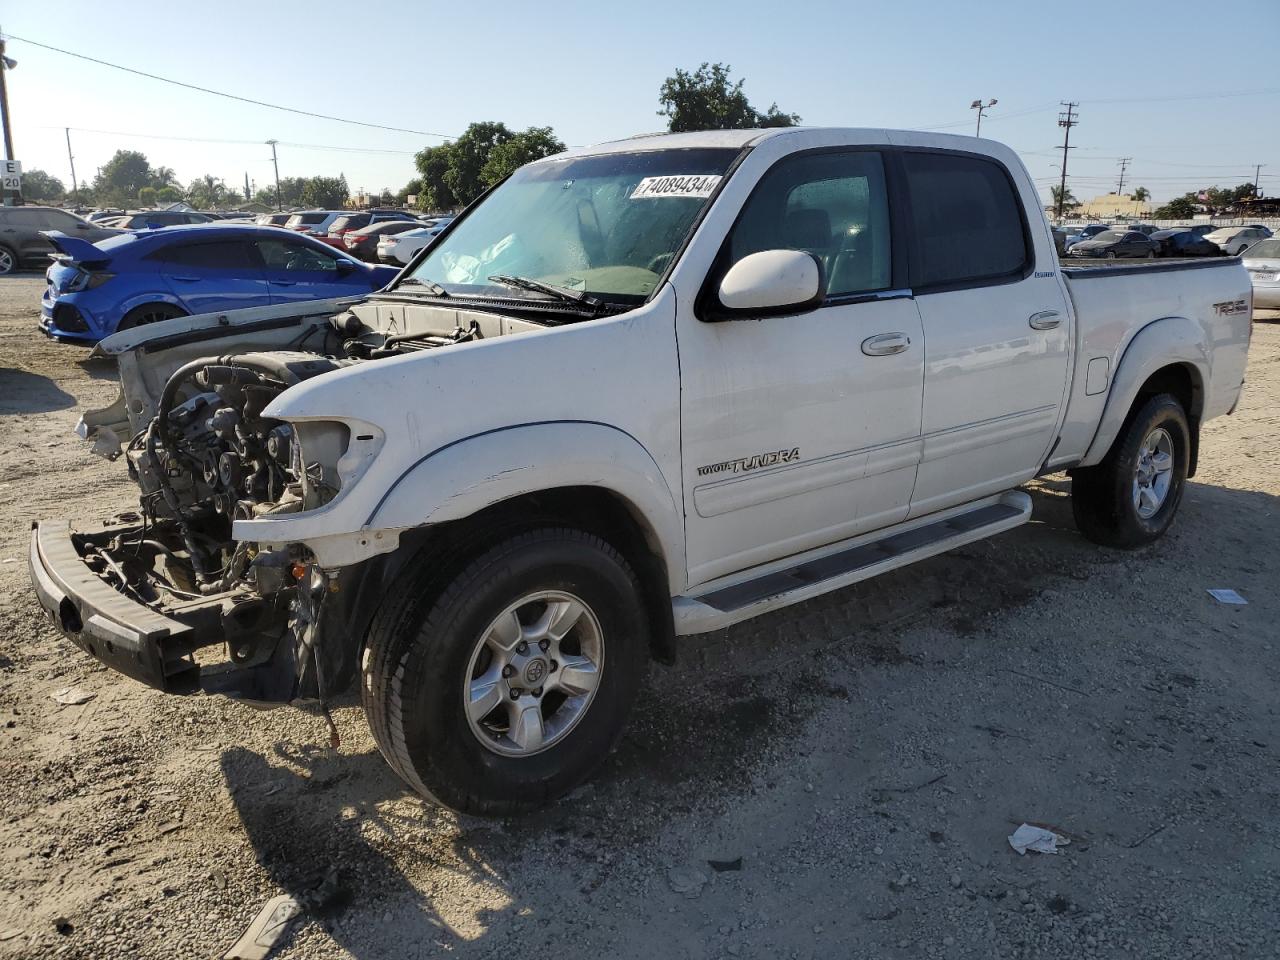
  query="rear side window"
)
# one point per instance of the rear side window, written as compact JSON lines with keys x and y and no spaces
{"x":221,"y":255}
{"x":965,"y":220}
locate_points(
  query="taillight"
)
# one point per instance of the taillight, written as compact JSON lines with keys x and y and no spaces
{"x":86,"y":280}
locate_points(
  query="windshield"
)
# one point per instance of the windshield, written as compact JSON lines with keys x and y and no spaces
{"x":606,"y":225}
{"x":1264,"y":248}
{"x":1109,"y":235}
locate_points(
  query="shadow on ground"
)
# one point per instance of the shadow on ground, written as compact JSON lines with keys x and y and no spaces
{"x":24,"y":392}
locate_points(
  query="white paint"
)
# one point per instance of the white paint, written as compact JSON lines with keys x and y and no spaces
{"x":771,"y":279}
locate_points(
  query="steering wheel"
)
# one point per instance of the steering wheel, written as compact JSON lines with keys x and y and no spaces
{"x":659,"y":263}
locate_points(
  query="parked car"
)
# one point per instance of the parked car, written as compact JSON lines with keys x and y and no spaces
{"x":1116,"y":243}
{"x":1182,"y":242}
{"x":1087,"y":232}
{"x":1235,"y":240}
{"x":400,"y":249}
{"x":99,"y":215}
{"x":22,"y":240}
{"x":1262,"y":260}
{"x":94,"y":290}
{"x":1060,"y":237}
{"x":466,"y":496}
{"x":1146,"y":229}
{"x":1200,"y":229}
{"x":150,"y":219}
{"x":314,"y":222}
{"x":356,"y":221}
{"x":272,"y":219}
{"x":363,"y":243}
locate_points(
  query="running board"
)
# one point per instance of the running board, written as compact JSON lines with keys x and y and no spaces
{"x":732,"y":599}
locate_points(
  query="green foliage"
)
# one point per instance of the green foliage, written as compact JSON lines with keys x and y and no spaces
{"x":38,"y":186}
{"x":147,"y":197}
{"x":707,"y":100}
{"x":1141,"y":193}
{"x":207,"y":192}
{"x":453,"y":174}
{"x":168,"y":195}
{"x":411,"y":189}
{"x":508,"y":156}
{"x":1179,"y":208}
{"x":121,"y":177}
{"x":1067,"y":198}
{"x":328,"y":193}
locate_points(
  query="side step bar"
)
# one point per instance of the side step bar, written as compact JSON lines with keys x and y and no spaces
{"x":742,"y":596}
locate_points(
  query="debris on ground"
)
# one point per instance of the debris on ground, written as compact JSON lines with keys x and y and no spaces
{"x":687,"y":881}
{"x":1228,"y":596}
{"x":1036,"y":839}
{"x":266,"y":929}
{"x":72,"y":696}
{"x":9,"y":933}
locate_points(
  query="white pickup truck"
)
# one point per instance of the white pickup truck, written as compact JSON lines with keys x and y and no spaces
{"x":638,"y":391}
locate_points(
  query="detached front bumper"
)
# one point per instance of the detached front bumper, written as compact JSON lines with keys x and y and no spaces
{"x":153,"y":647}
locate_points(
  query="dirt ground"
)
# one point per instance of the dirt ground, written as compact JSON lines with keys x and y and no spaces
{"x":835,"y":780}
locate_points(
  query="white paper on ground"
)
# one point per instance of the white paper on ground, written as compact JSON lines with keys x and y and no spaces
{"x":267,"y":928}
{"x":1036,"y":839}
{"x":1228,"y":596}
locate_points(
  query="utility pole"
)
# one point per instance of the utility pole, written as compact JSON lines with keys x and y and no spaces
{"x":1124,"y":162}
{"x":1066,"y":120}
{"x":275,"y":163}
{"x":247,"y":195}
{"x":1257,"y":172}
{"x":75,"y":190}
{"x":980,"y":107}
{"x":6,"y":65}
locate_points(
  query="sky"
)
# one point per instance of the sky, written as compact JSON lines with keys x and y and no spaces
{"x":1144,"y":78}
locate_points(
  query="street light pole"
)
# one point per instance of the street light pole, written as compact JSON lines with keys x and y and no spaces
{"x":75,"y":189}
{"x":5,"y":66}
{"x":275,"y":163}
{"x":980,"y":107}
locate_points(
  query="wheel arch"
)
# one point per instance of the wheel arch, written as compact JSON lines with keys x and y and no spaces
{"x":1170,"y":355}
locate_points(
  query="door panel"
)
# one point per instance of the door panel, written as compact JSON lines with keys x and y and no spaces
{"x":212,"y":276}
{"x":996,"y":332}
{"x":298,"y":271}
{"x":793,"y":434}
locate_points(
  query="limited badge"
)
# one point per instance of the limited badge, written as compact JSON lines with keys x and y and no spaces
{"x":698,"y":185}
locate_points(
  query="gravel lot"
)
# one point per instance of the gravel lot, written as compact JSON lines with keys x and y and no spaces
{"x":836,"y":780}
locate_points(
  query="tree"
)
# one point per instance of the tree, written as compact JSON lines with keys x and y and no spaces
{"x":168,"y":195}
{"x":433,"y":164}
{"x":411,"y":189}
{"x":147,"y":197}
{"x":1141,"y":193}
{"x":1063,"y":197}
{"x":505,"y":158}
{"x":329,"y":193}
{"x":207,"y":192}
{"x":1179,"y":208}
{"x":164,"y":177}
{"x":121,"y":177}
{"x":38,"y":186}
{"x":707,"y":100}
{"x":468,"y":155}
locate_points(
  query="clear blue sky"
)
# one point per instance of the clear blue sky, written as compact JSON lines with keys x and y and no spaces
{"x":591,"y":70}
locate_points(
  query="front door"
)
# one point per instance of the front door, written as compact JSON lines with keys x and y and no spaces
{"x":296,"y":270}
{"x":213,"y":275}
{"x":996,"y":329}
{"x":798,"y":431}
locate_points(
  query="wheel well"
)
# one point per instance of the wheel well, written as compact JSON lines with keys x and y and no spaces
{"x":1182,"y":382}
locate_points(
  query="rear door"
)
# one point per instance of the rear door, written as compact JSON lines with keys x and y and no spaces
{"x":213,"y":275}
{"x":996,"y":330}
{"x":297,"y":270}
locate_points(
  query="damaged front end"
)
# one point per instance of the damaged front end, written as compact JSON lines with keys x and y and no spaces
{"x":164,"y":593}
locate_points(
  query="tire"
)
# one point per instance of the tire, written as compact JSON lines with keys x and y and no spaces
{"x":8,"y":261}
{"x":1111,"y":255}
{"x":1151,"y":254}
{"x":430,"y":649}
{"x":1108,"y":501}
{"x":149,"y":313}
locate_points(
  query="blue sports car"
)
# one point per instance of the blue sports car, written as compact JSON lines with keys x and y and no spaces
{"x":93,"y":290}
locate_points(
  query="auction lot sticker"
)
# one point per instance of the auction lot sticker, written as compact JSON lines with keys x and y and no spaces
{"x":696,"y":185}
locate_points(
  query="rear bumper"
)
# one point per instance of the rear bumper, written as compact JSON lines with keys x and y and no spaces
{"x":109,"y":626}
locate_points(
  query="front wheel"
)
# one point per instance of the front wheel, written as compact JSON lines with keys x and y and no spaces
{"x":1111,"y":254}
{"x":1130,"y":498}
{"x":509,"y":687}
{"x":149,"y":313}
{"x":8,"y":261}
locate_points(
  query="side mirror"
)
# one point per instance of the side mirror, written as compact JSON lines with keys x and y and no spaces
{"x":345,"y":266}
{"x":771,"y":283}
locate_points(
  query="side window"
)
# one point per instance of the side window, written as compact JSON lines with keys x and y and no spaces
{"x":291,"y":255}
{"x":966,"y":220}
{"x":833,"y":205}
{"x":28,"y":219}
{"x":59,"y":220}
{"x":222,"y":255}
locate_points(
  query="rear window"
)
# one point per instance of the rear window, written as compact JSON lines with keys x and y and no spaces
{"x":966,"y":221}
{"x":1264,"y":248}
{"x":307,"y":218}
{"x":350,"y":222}
{"x":219,"y":255}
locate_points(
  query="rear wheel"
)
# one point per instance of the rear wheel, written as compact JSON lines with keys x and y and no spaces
{"x":150,"y":313}
{"x":509,"y":686}
{"x":1131,"y":497}
{"x":8,"y":261}
{"x":1111,"y":254}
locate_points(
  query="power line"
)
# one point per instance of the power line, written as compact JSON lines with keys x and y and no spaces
{"x":254,"y":143}
{"x":229,"y":96}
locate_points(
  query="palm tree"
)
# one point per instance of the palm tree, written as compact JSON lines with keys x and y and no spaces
{"x":164,"y":177}
{"x":1063,"y":197}
{"x":1141,"y":193}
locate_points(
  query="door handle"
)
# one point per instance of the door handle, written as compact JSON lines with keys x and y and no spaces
{"x":285,"y":283}
{"x":188,"y":279}
{"x":1044,"y":320}
{"x":885,"y":344}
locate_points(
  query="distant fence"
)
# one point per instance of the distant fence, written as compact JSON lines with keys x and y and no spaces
{"x":1272,"y":223}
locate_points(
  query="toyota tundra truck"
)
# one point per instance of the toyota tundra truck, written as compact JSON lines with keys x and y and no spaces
{"x":636,"y":392}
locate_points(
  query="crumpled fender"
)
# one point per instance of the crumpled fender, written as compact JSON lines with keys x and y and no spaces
{"x":463,"y":477}
{"x":1166,"y":342}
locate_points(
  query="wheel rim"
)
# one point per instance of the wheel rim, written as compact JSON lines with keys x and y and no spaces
{"x":1153,"y":475}
{"x":6,"y":261}
{"x":533,"y":673}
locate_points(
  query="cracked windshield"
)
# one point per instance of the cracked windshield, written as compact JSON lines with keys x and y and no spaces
{"x":607,"y":226}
